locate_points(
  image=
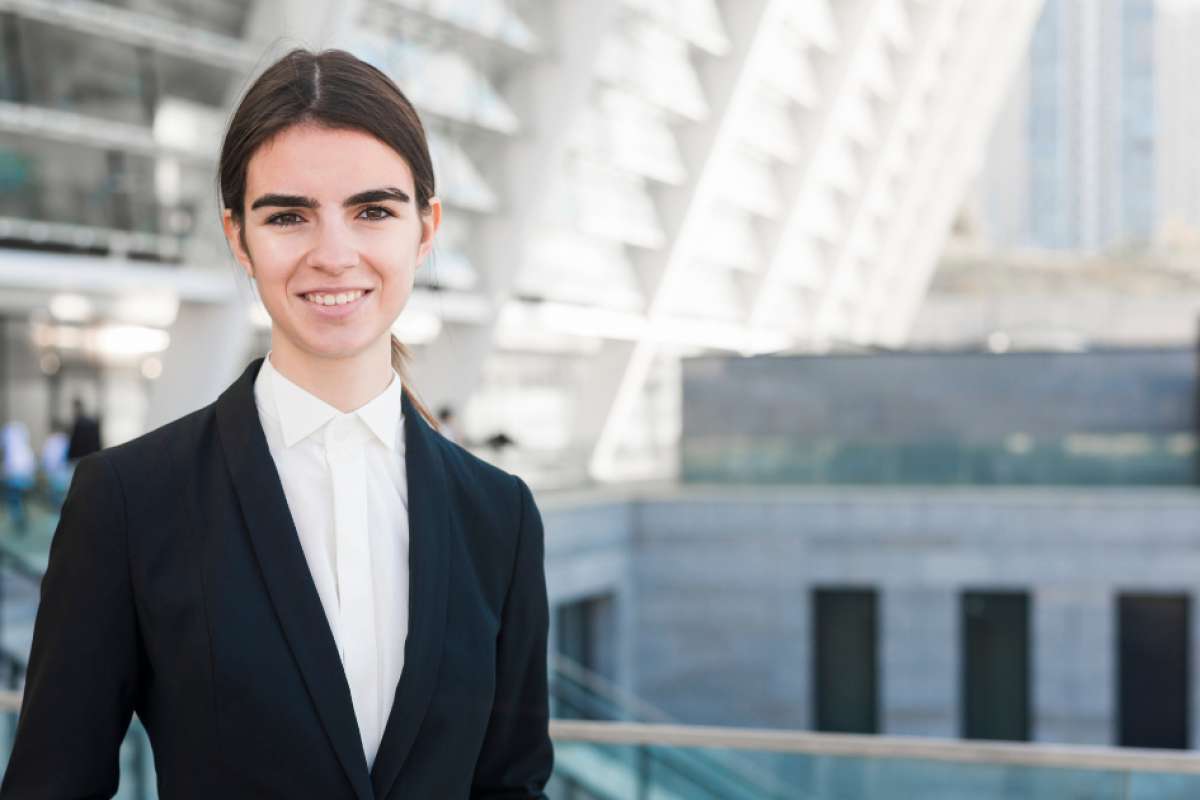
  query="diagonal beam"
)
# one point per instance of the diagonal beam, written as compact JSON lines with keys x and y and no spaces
{"x":991,"y":54}
{"x":847,"y":77}
{"x":606,"y":403}
{"x":933,"y":36}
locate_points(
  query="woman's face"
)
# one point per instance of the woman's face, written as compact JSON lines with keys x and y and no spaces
{"x":332,"y":236}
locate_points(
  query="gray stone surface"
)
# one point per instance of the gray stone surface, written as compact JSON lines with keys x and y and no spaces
{"x":714,"y":588}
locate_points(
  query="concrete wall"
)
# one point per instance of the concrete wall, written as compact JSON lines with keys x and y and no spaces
{"x":715,"y":585}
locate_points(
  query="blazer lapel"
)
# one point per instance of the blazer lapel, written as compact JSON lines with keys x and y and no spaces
{"x":285,"y":571}
{"x":428,"y":569}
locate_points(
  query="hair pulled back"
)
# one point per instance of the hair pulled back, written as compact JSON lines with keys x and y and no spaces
{"x":330,"y":89}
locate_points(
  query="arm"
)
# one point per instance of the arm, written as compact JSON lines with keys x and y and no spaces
{"x":85,"y":664}
{"x":516,"y":758}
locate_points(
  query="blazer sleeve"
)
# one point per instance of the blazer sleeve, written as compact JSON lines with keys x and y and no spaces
{"x":517,"y":757}
{"x":85,"y":664}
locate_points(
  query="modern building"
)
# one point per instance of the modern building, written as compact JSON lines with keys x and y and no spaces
{"x":626,"y":182}
{"x":1178,"y":121}
{"x":1072,"y":165}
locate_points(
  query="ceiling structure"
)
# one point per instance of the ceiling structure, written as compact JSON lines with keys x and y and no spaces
{"x":626,"y":182}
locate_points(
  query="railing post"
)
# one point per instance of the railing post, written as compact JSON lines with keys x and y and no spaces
{"x":643,"y":773}
{"x":139,"y":764}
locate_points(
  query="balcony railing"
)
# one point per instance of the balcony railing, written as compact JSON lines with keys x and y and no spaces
{"x":639,"y":761}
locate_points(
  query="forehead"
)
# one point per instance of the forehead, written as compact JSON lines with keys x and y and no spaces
{"x":320,"y":162}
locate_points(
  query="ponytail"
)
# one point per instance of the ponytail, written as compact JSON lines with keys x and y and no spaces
{"x":401,"y":357}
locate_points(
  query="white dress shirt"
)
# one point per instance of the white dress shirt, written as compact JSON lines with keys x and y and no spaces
{"x":345,"y":481}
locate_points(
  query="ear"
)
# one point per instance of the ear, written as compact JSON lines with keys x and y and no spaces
{"x":430,"y":222}
{"x":233,"y":233}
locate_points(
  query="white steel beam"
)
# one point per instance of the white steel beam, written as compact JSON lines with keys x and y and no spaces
{"x":549,"y":95}
{"x":847,"y":78}
{"x":899,"y":286}
{"x":610,"y":397}
{"x":934,"y":35}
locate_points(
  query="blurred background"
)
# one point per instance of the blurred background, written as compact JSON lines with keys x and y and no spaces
{"x":848,"y":345}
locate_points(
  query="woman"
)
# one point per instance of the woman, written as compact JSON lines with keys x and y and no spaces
{"x":302,"y":590}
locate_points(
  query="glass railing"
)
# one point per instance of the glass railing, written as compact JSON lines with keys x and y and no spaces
{"x":1118,"y":459}
{"x":641,"y":761}
{"x":621,"y":761}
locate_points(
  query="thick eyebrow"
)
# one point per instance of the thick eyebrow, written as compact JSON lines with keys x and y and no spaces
{"x":377,"y":196}
{"x":284,"y":201}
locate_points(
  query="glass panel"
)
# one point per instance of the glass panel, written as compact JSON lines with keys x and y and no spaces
{"x":606,"y":203}
{"x":710,"y":292}
{"x":697,"y":21}
{"x":579,"y":269}
{"x":748,"y":183}
{"x":771,"y":129}
{"x":631,"y":134}
{"x":442,"y":82}
{"x":459,"y":182}
{"x":654,"y":64}
{"x":493,"y":19}
{"x":789,"y":73}
{"x":730,"y":240}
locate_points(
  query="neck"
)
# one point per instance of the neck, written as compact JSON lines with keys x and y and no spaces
{"x":345,"y":382}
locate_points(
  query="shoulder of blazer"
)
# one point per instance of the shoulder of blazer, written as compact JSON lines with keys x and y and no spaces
{"x":141,"y":461}
{"x":492,"y":492}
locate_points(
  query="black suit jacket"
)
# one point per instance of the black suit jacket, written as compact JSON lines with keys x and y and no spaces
{"x":177,"y":588}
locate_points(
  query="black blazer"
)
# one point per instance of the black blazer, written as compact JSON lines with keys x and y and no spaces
{"x":177,"y":588}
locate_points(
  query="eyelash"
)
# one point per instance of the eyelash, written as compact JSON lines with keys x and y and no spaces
{"x":277,"y":219}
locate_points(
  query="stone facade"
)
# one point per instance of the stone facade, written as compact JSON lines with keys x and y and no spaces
{"x":714,"y":587}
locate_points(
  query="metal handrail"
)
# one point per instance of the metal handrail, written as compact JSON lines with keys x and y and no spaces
{"x":901,"y":747}
{"x":1056,"y":756}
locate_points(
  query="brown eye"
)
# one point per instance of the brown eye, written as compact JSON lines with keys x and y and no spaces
{"x":375,"y":212}
{"x":285,"y":219}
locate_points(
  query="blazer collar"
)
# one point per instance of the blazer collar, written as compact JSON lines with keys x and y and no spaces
{"x":429,"y":578}
{"x":285,"y":572}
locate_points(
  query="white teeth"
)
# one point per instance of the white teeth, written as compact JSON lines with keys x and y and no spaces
{"x":333,"y":299}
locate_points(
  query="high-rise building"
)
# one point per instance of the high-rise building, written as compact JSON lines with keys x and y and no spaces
{"x":1178,"y":66}
{"x":1072,"y":164}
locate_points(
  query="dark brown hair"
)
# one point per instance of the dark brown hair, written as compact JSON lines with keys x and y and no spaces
{"x":331,"y":89}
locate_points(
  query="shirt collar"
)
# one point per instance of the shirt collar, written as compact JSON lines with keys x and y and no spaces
{"x":302,"y":414}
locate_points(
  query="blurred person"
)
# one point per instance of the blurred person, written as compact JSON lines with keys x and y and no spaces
{"x":85,"y":434}
{"x":302,"y":590}
{"x":20,"y":472}
{"x":56,"y":467}
{"x":448,"y":424}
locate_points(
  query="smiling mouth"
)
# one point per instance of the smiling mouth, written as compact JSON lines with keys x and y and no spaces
{"x":331,"y":299}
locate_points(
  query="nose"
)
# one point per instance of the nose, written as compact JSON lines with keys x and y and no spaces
{"x":333,"y":249}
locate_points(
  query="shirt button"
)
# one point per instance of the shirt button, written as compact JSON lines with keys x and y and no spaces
{"x":340,"y":434}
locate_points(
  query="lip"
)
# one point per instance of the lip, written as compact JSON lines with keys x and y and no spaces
{"x":335,"y":311}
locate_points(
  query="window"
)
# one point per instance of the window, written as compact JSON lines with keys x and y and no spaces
{"x":995,"y":631}
{"x":846,"y":674}
{"x":1153,"y":670}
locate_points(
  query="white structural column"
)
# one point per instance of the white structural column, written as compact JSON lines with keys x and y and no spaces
{"x":730,"y":85}
{"x":991,"y":59}
{"x":864,"y":44}
{"x":550,"y":94}
{"x":934,"y":30}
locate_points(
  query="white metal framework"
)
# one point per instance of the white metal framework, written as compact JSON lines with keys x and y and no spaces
{"x":630,"y":181}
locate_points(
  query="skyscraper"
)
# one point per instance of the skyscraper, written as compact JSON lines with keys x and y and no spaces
{"x":1178,"y":65}
{"x":1073,"y":163}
